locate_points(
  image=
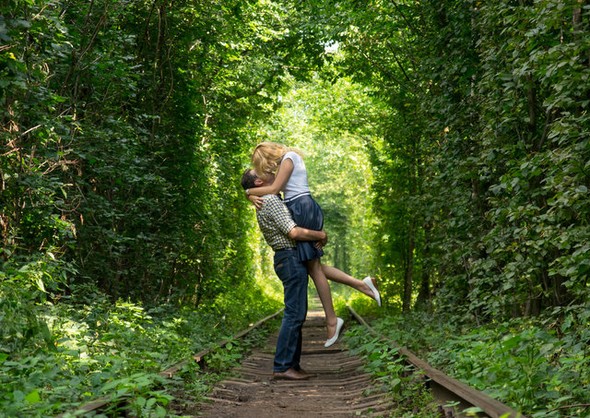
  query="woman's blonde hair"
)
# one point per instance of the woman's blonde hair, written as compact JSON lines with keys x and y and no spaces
{"x":267,"y":157}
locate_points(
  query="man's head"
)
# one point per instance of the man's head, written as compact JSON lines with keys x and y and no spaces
{"x":250,"y":180}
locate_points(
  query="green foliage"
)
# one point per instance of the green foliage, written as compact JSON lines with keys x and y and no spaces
{"x":523,"y":148}
{"x":25,"y":287}
{"x":537,"y":366}
{"x":124,"y":127}
{"x":481,"y":175}
{"x":95,"y":349}
{"x":481,"y":180}
{"x":532,"y":368}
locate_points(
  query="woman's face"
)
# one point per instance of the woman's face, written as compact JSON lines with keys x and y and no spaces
{"x":268,"y":177}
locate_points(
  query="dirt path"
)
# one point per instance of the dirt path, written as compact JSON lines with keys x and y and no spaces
{"x":340,"y":389}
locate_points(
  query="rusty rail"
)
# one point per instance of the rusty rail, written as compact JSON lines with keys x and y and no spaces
{"x":446,"y":388}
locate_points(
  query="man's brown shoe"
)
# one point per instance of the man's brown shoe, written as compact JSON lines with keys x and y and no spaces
{"x":290,"y":374}
{"x":305,"y":372}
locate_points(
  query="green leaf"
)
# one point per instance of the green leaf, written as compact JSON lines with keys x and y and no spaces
{"x":33,"y":397}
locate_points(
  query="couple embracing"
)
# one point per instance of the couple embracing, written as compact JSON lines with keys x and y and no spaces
{"x":293,"y":227}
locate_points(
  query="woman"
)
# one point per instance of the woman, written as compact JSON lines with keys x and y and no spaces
{"x":270,"y":158}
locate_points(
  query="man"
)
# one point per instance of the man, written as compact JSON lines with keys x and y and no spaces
{"x":281,"y":232}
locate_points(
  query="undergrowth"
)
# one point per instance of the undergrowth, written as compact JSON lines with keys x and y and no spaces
{"x":539,"y":366}
{"x":89,"y":347}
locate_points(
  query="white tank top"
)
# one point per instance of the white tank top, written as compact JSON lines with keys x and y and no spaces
{"x":297,"y":184}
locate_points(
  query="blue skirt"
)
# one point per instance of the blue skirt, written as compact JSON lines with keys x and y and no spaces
{"x":307,"y":214}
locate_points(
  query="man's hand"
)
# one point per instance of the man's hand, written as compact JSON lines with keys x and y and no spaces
{"x":257,"y":201}
{"x":322,"y":243}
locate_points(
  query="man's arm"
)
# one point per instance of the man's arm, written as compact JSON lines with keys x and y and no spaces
{"x":303,"y":234}
{"x":276,"y":210}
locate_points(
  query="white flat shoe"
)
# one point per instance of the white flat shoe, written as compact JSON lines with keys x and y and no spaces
{"x":369,"y":281}
{"x":331,"y":341}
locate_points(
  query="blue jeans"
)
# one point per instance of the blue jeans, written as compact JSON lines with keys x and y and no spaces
{"x":293,"y":274}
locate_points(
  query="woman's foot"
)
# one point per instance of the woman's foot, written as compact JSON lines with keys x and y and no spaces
{"x":331,"y":328}
{"x":370,"y":281}
{"x":334,"y":338}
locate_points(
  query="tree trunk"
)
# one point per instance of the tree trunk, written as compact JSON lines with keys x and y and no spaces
{"x":424,"y":295}
{"x":409,"y":269}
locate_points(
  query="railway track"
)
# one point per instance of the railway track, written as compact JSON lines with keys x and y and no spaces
{"x":341,"y":387}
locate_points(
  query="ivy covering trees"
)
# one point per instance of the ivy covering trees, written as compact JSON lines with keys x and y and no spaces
{"x":124,"y":128}
{"x":481,"y":183}
{"x":482,"y":177}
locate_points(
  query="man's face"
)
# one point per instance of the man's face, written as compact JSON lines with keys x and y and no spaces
{"x":265,"y":181}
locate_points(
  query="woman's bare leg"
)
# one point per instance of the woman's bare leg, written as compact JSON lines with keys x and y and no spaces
{"x":315,"y":270}
{"x":336,"y":275}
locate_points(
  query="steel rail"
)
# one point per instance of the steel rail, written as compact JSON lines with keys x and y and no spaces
{"x":199,"y":358}
{"x":446,"y":388}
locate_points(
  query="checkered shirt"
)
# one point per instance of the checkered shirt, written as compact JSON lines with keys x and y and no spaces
{"x":275,"y":222}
